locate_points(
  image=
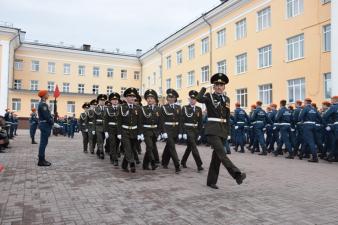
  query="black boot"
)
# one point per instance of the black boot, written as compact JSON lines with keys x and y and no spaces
{"x":184,"y":164}
{"x":132,"y":167}
{"x":33,"y":141}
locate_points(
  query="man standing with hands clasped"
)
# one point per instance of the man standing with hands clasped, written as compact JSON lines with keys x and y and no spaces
{"x":217,"y":129}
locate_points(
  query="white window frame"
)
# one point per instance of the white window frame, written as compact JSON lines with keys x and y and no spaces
{"x":34,"y":85}
{"x":222,"y":66}
{"x":51,"y":67}
{"x":18,"y":64}
{"x":205,"y":45}
{"x":242,"y":97}
{"x":264,"y":19}
{"x":168,"y":60}
{"x":110,"y":72}
{"x":191,"y":51}
{"x":297,"y":8}
{"x":264,"y":57}
{"x":265,"y":94}
{"x":71,"y":107}
{"x":221,"y":38}
{"x":34,"y":103}
{"x":191,"y":78}
{"x":241,"y":63}
{"x":327,"y":38}
{"x":205,"y":74}
{"x":65,"y":87}
{"x":95,"y":89}
{"x":35,"y":66}
{"x":137,"y":75}
{"x":327,"y":85}
{"x":17,"y":84}
{"x":241,"y":29}
{"x":66,"y":69}
{"x":81,"y":70}
{"x":179,"y":57}
{"x":122,"y":90}
{"x":294,"y":84}
{"x":109,"y":89}
{"x":296,"y":45}
{"x":179,"y":82}
{"x":124,"y":74}
{"x":96,"y":71}
{"x":16,"y":104}
{"x":80,"y":88}
{"x":168,"y":83}
{"x":51,"y":86}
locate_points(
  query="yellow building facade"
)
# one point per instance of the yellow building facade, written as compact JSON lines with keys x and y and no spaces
{"x":270,"y":49}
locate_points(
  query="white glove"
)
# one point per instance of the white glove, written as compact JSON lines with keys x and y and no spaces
{"x":86,"y":130}
{"x":180,"y":136}
{"x":328,"y":128}
{"x":236,"y":127}
{"x":119,"y":136}
{"x":164,"y":135}
{"x":159,"y":138}
{"x":93,"y":132}
{"x":141,"y":137}
{"x":185,"y":136}
{"x":199,"y":137}
{"x":106,"y":135}
{"x":264,"y":129}
{"x":292,"y":129}
{"x":138,"y":137}
{"x":229,"y":137}
{"x":274,"y":128}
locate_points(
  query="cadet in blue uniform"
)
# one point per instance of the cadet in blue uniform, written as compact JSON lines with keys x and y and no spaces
{"x":241,"y":120}
{"x":33,"y":125}
{"x":275,"y":128}
{"x":217,"y":129}
{"x":45,"y":124}
{"x":298,"y":126}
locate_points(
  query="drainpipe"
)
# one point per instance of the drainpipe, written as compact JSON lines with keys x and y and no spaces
{"x":161,"y":71}
{"x":210,"y":39}
{"x":9,"y":60}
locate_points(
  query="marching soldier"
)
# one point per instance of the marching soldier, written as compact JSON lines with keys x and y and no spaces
{"x":45,"y":124}
{"x":111,"y":124}
{"x":129,"y":128}
{"x":83,"y":126}
{"x":192,"y":126}
{"x":217,"y":129}
{"x":33,"y":124}
{"x":171,"y":128}
{"x":151,"y":128}
{"x":90,"y":126}
{"x":99,"y":124}
{"x":298,"y":126}
{"x":240,"y":120}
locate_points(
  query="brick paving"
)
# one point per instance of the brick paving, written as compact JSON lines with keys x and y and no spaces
{"x":81,"y":189}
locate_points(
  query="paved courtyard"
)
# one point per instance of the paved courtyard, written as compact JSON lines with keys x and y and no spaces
{"x":80,"y":189}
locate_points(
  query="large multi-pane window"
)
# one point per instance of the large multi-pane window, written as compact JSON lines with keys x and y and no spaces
{"x":109,"y":90}
{"x":51,"y":67}
{"x":35,"y":65}
{"x":80,"y":88}
{"x":70,"y":107}
{"x":242,"y":97}
{"x":205,"y":74}
{"x":96,"y":71}
{"x":296,"y":89}
{"x":265,"y":56}
{"x":205,"y":45}
{"x":327,"y":37}
{"x":124,"y":74}
{"x":17,"y":84}
{"x":264,"y":19}
{"x":65,"y":87}
{"x":241,"y":29}
{"x":136,"y":75}
{"x":168,"y":83}
{"x":295,"y":47}
{"x":110,"y":72}
{"x":294,"y":7}
{"x":265,"y":93}
{"x":241,"y":63}
{"x":16,"y":104}
{"x":221,"y":38}
{"x":221,"y":66}
{"x":34,"y":103}
{"x":191,"y":51}
{"x":18,"y":64}
{"x":168,"y":62}
{"x":179,"y":57}
{"x":66,"y":69}
{"x":50,"y":86}
{"x":95,"y":89}
{"x":81,"y":70}
{"x":191,"y":78}
{"x":34,"y":85}
{"x":178,"y":81}
{"x":327,"y":85}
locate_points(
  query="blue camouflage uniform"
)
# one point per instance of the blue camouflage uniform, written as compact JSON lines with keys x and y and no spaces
{"x":299,"y":129}
{"x":284,"y":120}
{"x":259,"y":121}
{"x":45,"y":126}
{"x":33,"y":125}
{"x":240,"y":120}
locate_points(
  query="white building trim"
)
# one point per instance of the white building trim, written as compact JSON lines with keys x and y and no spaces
{"x":334,"y":47}
{"x":4,"y":76}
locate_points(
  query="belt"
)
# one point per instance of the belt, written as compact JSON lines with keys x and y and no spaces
{"x":90,"y":122}
{"x":99,"y":120}
{"x":191,"y":124}
{"x":276,"y":124}
{"x":43,"y":121}
{"x":129,"y":127}
{"x":284,"y":123}
{"x":150,"y":126}
{"x":217,"y":120}
{"x":83,"y":124}
{"x":112,"y":123}
{"x":240,"y":122}
{"x":335,"y":123}
{"x":318,"y":125}
{"x":171,"y":123}
{"x":309,"y":122}
{"x":257,"y":122}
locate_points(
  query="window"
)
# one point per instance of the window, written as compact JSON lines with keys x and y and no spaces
{"x":205,"y":45}
{"x":241,"y":61}
{"x":205,"y":74}
{"x":168,"y":83}
{"x":51,"y":67}
{"x":65,"y":87}
{"x":178,"y":81}
{"x":70,"y":107}
{"x":220,"y":38}
{"x":123,"y":74}
{"x":241,"y":29}
{"x":136,"y":75}
{"x":16,"y":104}
{"x":51,"y":105}
{"x":327,"y":37}
{"x":18,"y":64}
{"x":81,"y":70}
{"x":264,"y":19}
{"x":110,"y":72}
{"x":96,"y":71}
{"x":109,"y":90}
{"x":265,"y":93}
{"x":35,"y":66}
{"x":50,"y":86}
{"x":80,"y":88}
{"x":123,"y":90}
{"x":295,"y":47}
{"x":296,"y":89}
{"x":66,"y":69}
{"x":326,"y":1}
{"x":221,"y":67}
{"x":168,"y":62}
{"x":34,"y":103}
{"x":95,"y":90}
{"x":191,"y":51}
{"x":17,"y":84}
{"x":265,"y":56}
{"x":179,"y":57}
{"x":242,"y":97}
{"x":191,"y":78}
{"x":34,"y":85}
{"x":294,"y":7}
{"x":327,"y":85}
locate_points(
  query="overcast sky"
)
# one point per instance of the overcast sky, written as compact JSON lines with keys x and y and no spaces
{"x":108,"y":24}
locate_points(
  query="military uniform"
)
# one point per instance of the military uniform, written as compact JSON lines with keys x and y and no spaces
{"x":259,"y":121}
{"x":83,"y":127}
{"x":99,"y":125}
{"x":217,"y":130}
{"x":91,"y":127}
{"x":171,"y":128}
{"x":331,"y":116}
{"x":192,"y":126}
{"x":33,"y":125}
{"x":240,"y":121}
